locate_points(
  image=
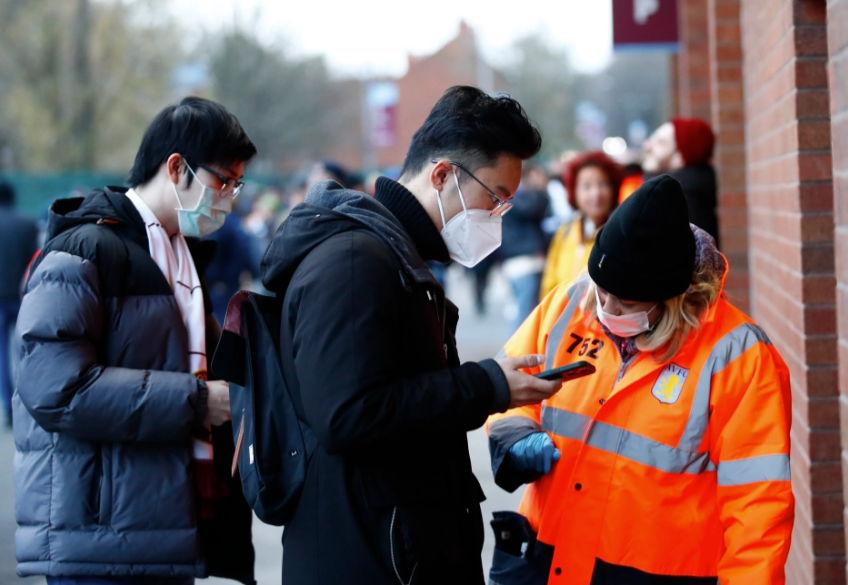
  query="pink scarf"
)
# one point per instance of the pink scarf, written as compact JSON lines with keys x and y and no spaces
{"x":174,"y":259}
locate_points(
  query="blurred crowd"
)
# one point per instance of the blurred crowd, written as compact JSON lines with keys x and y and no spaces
{"x":559,"y":208}
{"x":548,"y":233}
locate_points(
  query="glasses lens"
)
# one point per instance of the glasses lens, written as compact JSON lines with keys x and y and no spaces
{"x":229,"y":187}
{"x":502,"y":208}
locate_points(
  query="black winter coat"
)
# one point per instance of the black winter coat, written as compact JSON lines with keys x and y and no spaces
{"x":18,"y":241}
{"x":700,"y":187}
{"x":368,"y":344}
{"x":522,"y":226}
{"x":104,"y":408}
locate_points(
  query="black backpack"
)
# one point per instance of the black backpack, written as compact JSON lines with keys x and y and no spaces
{"x":273,"y":444}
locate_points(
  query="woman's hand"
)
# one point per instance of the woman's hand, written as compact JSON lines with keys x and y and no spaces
{"x":534,"y":452}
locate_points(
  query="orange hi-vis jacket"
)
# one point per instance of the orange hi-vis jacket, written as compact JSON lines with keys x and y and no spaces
{"x":678,"y":468}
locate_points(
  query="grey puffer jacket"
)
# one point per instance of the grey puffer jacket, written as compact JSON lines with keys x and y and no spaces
{"x":104,"y":408}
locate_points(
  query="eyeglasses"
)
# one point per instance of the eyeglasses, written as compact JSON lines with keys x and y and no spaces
{"x":502,"y":206}
{"x":229,"y":187}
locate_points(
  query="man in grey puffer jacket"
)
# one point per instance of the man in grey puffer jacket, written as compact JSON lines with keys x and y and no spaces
{"x":110,"y":488}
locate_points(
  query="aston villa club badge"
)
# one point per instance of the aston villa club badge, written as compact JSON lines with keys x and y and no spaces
{"x":670,"y":383}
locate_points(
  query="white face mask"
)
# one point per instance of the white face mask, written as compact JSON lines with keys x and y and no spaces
{"x":207,"y":216}
{"x":623,"y":326}
{"x":472,"y":234}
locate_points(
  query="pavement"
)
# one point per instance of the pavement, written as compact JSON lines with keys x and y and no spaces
{"x":478,"y":337}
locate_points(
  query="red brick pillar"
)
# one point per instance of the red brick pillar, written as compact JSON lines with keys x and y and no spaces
{"x":837,"y":18}
{"x":674,"y":85}
{"x":693,"y":62}
{"x":728,"y":121}
{"x":790,"y":205}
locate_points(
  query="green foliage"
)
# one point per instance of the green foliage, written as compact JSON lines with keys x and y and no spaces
{"x":541,"y":79}
{"x":634,"y":86}
{"x":284,"y":104}
{"x":80,"y":80}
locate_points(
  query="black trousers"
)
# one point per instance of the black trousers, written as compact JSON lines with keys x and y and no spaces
{"x":607,"y":574}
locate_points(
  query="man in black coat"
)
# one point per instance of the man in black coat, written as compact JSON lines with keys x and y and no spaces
{"x":19,"y":241}
{"x":368,"y":345}
{"x":683,"y":148}
{"x":525,"y":244}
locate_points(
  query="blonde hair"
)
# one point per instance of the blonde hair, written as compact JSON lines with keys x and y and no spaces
{"x":681,"y":315}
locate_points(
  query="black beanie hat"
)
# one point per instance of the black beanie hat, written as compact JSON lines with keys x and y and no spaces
{"x":646,"y":251}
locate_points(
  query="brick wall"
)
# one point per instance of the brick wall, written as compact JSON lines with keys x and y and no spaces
{"x":790,"y":205}
{"x":693,"y":62}
{"x":706,"y":82}
{"x":837,"y":16}
{"x":728,"y":121}
{"x":674,"y":86}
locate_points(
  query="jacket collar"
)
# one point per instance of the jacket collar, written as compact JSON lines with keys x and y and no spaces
{"x":406,"y":208}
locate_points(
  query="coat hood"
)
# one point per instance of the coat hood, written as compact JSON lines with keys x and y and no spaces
{"x":707,"y":256}
{"x":110,"y":206}
{"x":104,"y":206}
{"x":329,"y":210}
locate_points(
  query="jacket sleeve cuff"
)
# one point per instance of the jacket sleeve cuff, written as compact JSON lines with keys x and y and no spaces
{"x":502,"y":397}
{"x":201,"y":403}
{"x":503,"y":434}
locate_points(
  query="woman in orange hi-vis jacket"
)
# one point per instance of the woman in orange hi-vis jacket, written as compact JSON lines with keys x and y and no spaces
{"x":670,"y":464}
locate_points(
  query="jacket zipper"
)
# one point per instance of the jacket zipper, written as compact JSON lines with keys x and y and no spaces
{"x":392,"y":550}
{"x":441,"y":314}
{"x":626,"y":360}
{"x":239,"y":445}
{"x":444,"y":327}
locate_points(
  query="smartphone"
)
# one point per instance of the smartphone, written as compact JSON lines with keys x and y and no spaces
{"x":569,"y":372}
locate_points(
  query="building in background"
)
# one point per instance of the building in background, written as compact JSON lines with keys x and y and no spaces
{"x":393,"y":109}
{"x":772,"y":77}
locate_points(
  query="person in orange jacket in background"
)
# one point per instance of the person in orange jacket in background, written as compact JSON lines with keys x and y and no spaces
{"x":670,"y":464}
{"x":634,"y":176}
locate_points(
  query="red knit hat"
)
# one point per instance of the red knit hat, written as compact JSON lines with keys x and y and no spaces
{"x":695,"y":140}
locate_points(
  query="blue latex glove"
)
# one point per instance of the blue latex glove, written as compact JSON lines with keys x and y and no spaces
{"x":534,"y":453}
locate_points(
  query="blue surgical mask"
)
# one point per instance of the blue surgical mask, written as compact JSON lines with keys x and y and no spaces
{"x":207,"y":216}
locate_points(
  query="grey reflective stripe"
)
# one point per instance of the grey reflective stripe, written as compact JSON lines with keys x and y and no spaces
{"x":647,"y":451}
{"x":753,"y":469}
{"x":512,"y":423}
{"x":728,"y":349}
{"x":575,"y":295}
{"x":624,"y":443}
{"x":501,"y":354}
{"x":565,"y":423}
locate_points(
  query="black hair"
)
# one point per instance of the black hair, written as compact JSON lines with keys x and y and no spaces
{"x":7,"y":194}
{"x":202,"y":131}
{"x":472,"y":128}
{"x":633,"y":169}
{"x":337,"y":171}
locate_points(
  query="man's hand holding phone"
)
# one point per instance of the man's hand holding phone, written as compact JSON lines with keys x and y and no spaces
{"x":525,"y":389}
